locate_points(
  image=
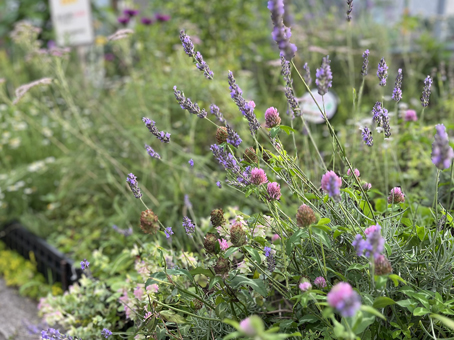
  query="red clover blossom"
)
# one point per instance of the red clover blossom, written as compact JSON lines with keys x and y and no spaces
{"x":246,"y":108}
{"x":187,"y":104}
{"x":274,"y":191}
{"x":320,"y":282}
{"x":382,"y":72}
{"x":134,"y":185}
{"x":344,"y":299}
{"x":281,"y":34}
{"x":396,"y":195}
{"x":272,"y":118}
{"x":426,"y":92}
{"x":258,"y":176}
{"x":324,"y":77}
{"x":442,"y":153}
{"x":161,"y":135}
{"x":331,"y":184}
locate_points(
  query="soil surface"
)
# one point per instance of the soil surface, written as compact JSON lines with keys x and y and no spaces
{"x":15,"y":312}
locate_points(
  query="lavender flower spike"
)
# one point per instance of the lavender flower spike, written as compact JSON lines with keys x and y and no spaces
{"x":232,"y":137}
{"x":442,"y":153}
{"x":365,"y":63}
{"x":382,"y":72}
{"x":161,"y":135}
{"x":151,"y":152}
{"x":188,"y":225}
{"x":367,"y":136}
{"x":281,"y":34}
{"x":289,"y":93}
{"x":134,"y":185}
{"x":226,"y":159}
{"x":397,"y":92}
{"x":324,"y":77}
{"x":426,"y":92}
{"x":349,"y":10}
{"x":331,"y":184}
{"x":189,"y":49}
{"x":307,"y":74}
{"x":217,"y":112}
{"x":245,"y":107}
{"x":187,"y":104}
{"x":168,"y":231}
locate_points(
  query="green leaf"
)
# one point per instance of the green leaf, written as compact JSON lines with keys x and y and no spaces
{"x":274,"y":132}
{"x":446,"y":321}
{"x":382,"y":302}
{"x":325,"y":199}
{"x":321,"y":227}
{"x":373,"y":311}
{"x":254,"y":254}
{"x":396,"y":279}
{"x":308,"y":318}
{"x":172,"y":317}
{"x":230,"y":251}
{"x":214,"y":280}
{"x":404,"y":303}
{"x":257,"y":285}
{"x":323,"y":221}
{"x":200,"y":270}
{"x":287,"y":129}
{"x":421,"y":232}
{"x":420,"y":311}
{"x":357,"y":266}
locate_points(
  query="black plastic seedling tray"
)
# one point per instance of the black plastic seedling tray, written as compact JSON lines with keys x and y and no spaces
{"x":50,"y":262}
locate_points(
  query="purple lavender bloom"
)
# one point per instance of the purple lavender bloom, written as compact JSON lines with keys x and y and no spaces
{"x":189,"y":49}
{"x":344,"y":299}
{"x":385,"y":121}
{"x":187,"y":202}
{"x":162,"y":17}
{"x":161,"y":135}
{"x":377,"y":111}
{"x":188,"y":225}
{"x":168,"y":231}
{"x":134,"y":185}
{"x":233,"y":138}
{"x":267,"y":251}
{"x":123,"y":20}
{"x":219,"y":185}
{"x":191,"y":162}
{"x":373,"y":245}
{"x":217,"y":112}
{"x":151,"y":152}
{"x":52,"y":334}
{"x":426,"y":92}
{"x":349,"y":10}
{"x":442,"y":153}
{"x":124,"y":232}
{"x":245,"y":107}
{"x":324,"y":77}
{"x":382,"y":72}
{"x":397,"y":92}
{"x":365,"y":63}
{"x":281,"y":34}
{"x":187,"y":104}
{"x":129,"y":12}
{"x":84,"y":264}
{"x":331,"y":184}
{"x":106,"y":333}
{"x":289,"y":93}
{"x":226,"y":159}
{"x":245,"y":177}
{"x":307,"y":74}
{"x":147,"y":21}
{"x":367,"y":136}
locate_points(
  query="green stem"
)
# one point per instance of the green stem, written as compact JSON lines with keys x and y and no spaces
{"x":186,"y":312}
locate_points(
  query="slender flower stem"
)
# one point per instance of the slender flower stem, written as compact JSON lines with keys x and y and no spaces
{"x":322,"y":270}
{"x":422,"y":115}
{"x":360,"y":96}
{"x":186,"y":312}
{"x":436,"y":195}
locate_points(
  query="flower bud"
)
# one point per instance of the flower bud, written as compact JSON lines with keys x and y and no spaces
{"x":149,"y":222}
{"x":217,"y":217}
{"x":305,"y":216}
{"x":210,"y":243}
{"x":250,"y":156}
{"x":222,"y":266}
{"x":221,"y":135}
{"x":382,"y":266}
{"x":237,"y":235}
{"x":197,"y":304}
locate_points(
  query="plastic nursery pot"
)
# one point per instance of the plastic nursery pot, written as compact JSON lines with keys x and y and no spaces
{"x":49,"y":261}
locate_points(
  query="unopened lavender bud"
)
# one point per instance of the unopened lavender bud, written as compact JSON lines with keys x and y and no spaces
{"x":349,"y":10}
{"x":134,"y":185}
{"x":149,"y":222}
{"x":397,"y":92}
{"x":324,"y":76}
{"x":365,"y":63}
{"x":237,"y":235}
{"x":426,"y":92}
{"x":305,"y":216}
{"x":217,"y":112}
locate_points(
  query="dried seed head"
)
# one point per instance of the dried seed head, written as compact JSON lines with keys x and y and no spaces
{"x":237,"y":235}
{"x":305,"y":216}
{"x":222,"y":266}
{"x":210,"y":243}
{"x":217,"y":217}
{"x":149,"y":222}
{"x":250,"y":156}
{"x":221,"y":135}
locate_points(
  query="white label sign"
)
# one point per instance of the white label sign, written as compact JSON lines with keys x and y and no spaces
{"x":310,"y":110}
{"x":72,"y":22}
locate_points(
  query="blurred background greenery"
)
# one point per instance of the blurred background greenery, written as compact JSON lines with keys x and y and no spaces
{"x":65,"y":149}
